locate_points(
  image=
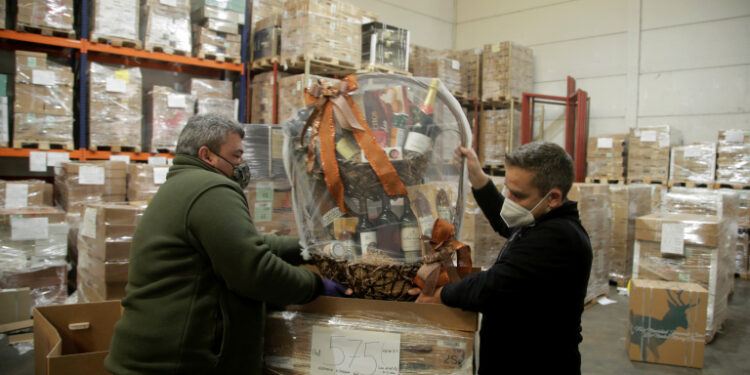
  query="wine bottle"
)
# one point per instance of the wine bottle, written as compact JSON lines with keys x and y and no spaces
{"x":410,"y":238}
{"x":388,"y":230}
{"x":422,"y":133}
{"x":444,"y":207}
{"x":368,"y":240}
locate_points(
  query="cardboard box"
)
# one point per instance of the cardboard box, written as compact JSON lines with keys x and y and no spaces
{"x":202,"y":88}
{"x":170,"y":113}
{"x":270,"y":203}
{"x":71,"y":191}
{"x":144,"y":180}
{"x":167,"y":28}
{"x":427,"y":62}
{"x":115,"y":106}
{"x":648,"y":153}
{"x":18,"y":194}
{"x":500,"y":133}
{"x":385,"y":45}
{"x":39,"y":14}
{"x":628,"y":202}
{"x":694,"y":163}
{"x":210,"y":12}
{"x":667,"y":322}
{"x":15,"y":305}
{"x":47,"y":285}
{"x":116,"y":19}
{"x":593,"y":205}
{"x":30,"y":59}
{"x":507,"y":71}
{"x":74,"y":339}
{"x":221,"y":107}
{"x":606,"y":156}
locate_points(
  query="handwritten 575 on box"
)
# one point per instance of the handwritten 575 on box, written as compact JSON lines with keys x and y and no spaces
{"x":358,"y":336}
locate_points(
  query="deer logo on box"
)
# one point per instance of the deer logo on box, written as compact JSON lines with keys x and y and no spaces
{"x":650,"y":332}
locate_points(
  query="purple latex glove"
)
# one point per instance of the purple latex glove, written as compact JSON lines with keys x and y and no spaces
{"x":333,"y":289}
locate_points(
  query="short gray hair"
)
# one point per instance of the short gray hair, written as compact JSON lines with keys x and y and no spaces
{"x":551,"y":165}
{"x":206,"y":130}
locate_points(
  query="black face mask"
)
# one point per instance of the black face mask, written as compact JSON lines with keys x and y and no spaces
{"x":240,"y":172}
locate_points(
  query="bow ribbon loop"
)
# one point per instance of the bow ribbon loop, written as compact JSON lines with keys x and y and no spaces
{"x":438,"y":268}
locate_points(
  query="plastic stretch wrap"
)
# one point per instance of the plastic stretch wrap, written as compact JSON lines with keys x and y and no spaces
{"x":385,"y":45}
{"x":171,"y":111}
{"x":648,"y":152}
{"x":144,"y":180}
{"x":325,"y":30}
{"x":594,"y":205}
{"x":606,"y":156}
{"x":202,"y":88}
{"x":261,"y":109}
{"x":77,"y":184}
{"x":689,"y":248}
{"x":264,"y":151}
{"x":471,"y":70}
{"x":167,"y":27}
{"x":743,"y":214}
{"x":216,"y":106}
{"x":478,"y":233}
{"x":694,"y":163}
{"x":211,"y":12}
{"x":733,"y":162}
{"x":292,"y":94}
{"x":267,"y":38}
{"x":219,"y":44}
{"x":237,"y":6}
{"x":499,"y":133}
{"x":104,"y":240}
{"x":343,"y":236}
{"x":115,"y":19}
{"x":742,"y":257}
{"x":507,"y":71}
{"x":115,"y":106}
{"x":19,"y":194}
{"x":270,"y":203}
{"x":724,"y":203}
{"x":54,"y":14}
{"x":293,"y":339}
{"x":628,"y":202}
{"x":426,"y":62}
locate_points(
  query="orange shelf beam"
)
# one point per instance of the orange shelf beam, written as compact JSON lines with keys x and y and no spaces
{"x":76,"y":154}
{"x":40,"y":39}
{"x":160,"y":56}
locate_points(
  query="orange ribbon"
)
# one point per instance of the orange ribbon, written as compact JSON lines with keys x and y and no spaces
{"x":438,"y":268}
{"x":332,"y":101}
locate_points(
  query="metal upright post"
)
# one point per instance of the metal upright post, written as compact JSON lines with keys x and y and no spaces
{"x":83,"y":83}
{"x":245,"y":67}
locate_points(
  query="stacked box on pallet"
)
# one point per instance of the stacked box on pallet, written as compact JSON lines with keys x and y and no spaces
{"x":628,"y":202}
{"x":117,"y":22}
{"x":261,"y":105}
{"x":115,"y":107}
{"x":216,"y":45}
{"x":427,"y":62}
{"x":322,"y":30}
{"x":213,"y":96}
{"x":733,"y":162}
{"x":52,"y":15}
{"x":593,"y":205}
{"x":270,"y":202}
{"x":648,"y":153}
{"x":32,"y":255}
{"x":78,"y":184}
{"x":606,"y":157}
{"x":167,"y":26}
{"x":385,"y":47}
{"x":104,"y":250}
{"x":170,"y":113}
{"x":266,"y":41}
{"x":477,"y":232}
{"x":264,"y":150}
{"x":43,"y":106}
{"x":688,"y":248}
{"x":292,"y":94}
{"x":218,"y":37}
{"x":693,"y":164}
{"x":471,"y":71}
{"x":25,"y":193}
{"x":144,"y":180}
{"x":507,"y":71}
{"x":499,"y":134}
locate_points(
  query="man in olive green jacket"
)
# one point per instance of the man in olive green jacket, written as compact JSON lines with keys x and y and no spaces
{"x":200,"y":274}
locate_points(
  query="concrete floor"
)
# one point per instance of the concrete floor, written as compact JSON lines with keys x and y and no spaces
{"x":603,"y":347}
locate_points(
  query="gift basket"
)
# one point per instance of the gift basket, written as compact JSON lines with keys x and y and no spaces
{"x":376,"y":194}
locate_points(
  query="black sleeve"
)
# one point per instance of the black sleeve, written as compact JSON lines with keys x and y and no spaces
{"x":491,"y":201}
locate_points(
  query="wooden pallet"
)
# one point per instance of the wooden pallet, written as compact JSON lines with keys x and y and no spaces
{"x":218,"y":57}
{"x":459,"y":94}
{"x":620,"y":283}
{"x":115,"y":148}
{"x":265,"y":63}
{"x":731,"y":185}
{"x":165,"y":49}
{"x":379,"y":68}
{"x":118,"y":42}
{"x":163,"y":150}
{"x":494,"y":169}
{"x":609,"y":180}
{"x":320,"y":65}
{"x":691,"y":184}
{"x":46,"y":30}
{"x":647,"y":181}
{"x":43,"y":144}
{"x":593,"y":302}
{"x":500,"y":100}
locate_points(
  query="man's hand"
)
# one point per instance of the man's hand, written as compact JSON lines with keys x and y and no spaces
{"x":435,"y":298}
{"x":334,"y":289}
{"x":476,"y":175}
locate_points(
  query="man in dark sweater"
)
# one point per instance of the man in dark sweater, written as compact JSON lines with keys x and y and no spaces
{"x":531,"y":299}
{"x":200,"y":274}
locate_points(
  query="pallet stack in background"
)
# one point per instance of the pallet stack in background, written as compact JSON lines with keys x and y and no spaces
{"x":263,"y":97}
{"x":166,"y":26}
{"x":116,"y":22}
{"x":733,"y":161}
{"x":115,"y":108}
{"x":170,"y":112}
{"x":693,"y":165}
{"x":499,"y":133}
{"x":507,"y":71}
{"x":216,"y":29}
{"x":648,"y":153}
{"x":213,"y":96}
{"x":53,"y":18}
{"x":385,"y":48}
{"x":427,"y":62}
{"x":606,"y":158}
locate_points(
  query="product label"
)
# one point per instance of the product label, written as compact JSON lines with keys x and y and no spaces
{"x":264,"y":191}
{"x":342,"y":249}
{"x":176,"y":101}
{"x":426,"y":223}
{"x":55,"y":158}
{"x":328,"y":217}
{"x":451,"y":344}
{"x":692,"y":152}
{"x":123,"y":74}
{"x":277,"y":144}
{"x":88,"y":224}
{"x":418,"y":142}
{"x":16,"y":195}
{"x":664,"y":140}
{"x":37,"y":161}
{"x":337,"y":350}
{"x":455,"y":65}
{"x":648,"y":136}
{"x":31,"y":62}
{"x":90,"y":175}
{"x":734,"y":136}
{"x":115,"y":85}
{"x":25,"y":229}
{"x":347,"y":148}
{"x":160,"y":175}
{"x":157,"y":160}
{"x":673,"y":238}
{"x":263,"y":212}
{"x":43,"y":77}
{"x":604,"y":143}
{"x":369,"y":242}
{"x":410,"y":239}
{"x":683,"y":277}
{"x":125,"y":158}
{"x":496,"y":48}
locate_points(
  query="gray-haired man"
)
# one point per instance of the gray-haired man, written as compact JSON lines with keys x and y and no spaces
{"x":200,"y":274}
{"x":532,"y":297}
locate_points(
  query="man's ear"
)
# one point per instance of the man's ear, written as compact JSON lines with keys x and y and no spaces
{"x":206,"y":155}
{"x":555,"y":198}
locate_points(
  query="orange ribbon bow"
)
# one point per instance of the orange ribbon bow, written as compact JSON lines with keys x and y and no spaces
{"x":332,"y":101}
{"x":438,"y":268}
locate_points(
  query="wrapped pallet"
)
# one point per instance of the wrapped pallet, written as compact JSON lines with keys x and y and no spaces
{"x":167,"y":26}
{"x":202,"y":88}
{"x":264,"y":150}
{"x":321,"y":30}
{"x":78,"y":184}
{"x":385,"y":47}
{"x":499,"y":134}
{"x":270,"y":203}
{"x":261,"y":107}
{"x":593,"y":205}
{"x":477,"y":232}
{"x":401,"y":338}
{"x":648,"y":153}
{"x":441,"y":64}
{"x":53,"y":17}
{"x":223,"y":107}
{"x":19,"y":194}
{"x":471,"y":71}
{"x":33,"y":252}
{"x":115,"y":108}
{"x":170,"y":113}
{"x":104,"y":240}
{"x":688,"y":248}
{"x":733,"y":162}
{"x":507,"y":71}
{"x":144,"y":181}
{"x":116,"y":22}
{"x":606,"y":157}
{"x":43,"y":105}
{"x":693,"y":165}
{"x":216,"y":45}
{"x":266,"y":43}
{"x":628,"y":202}
{"x":292,"y":94}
